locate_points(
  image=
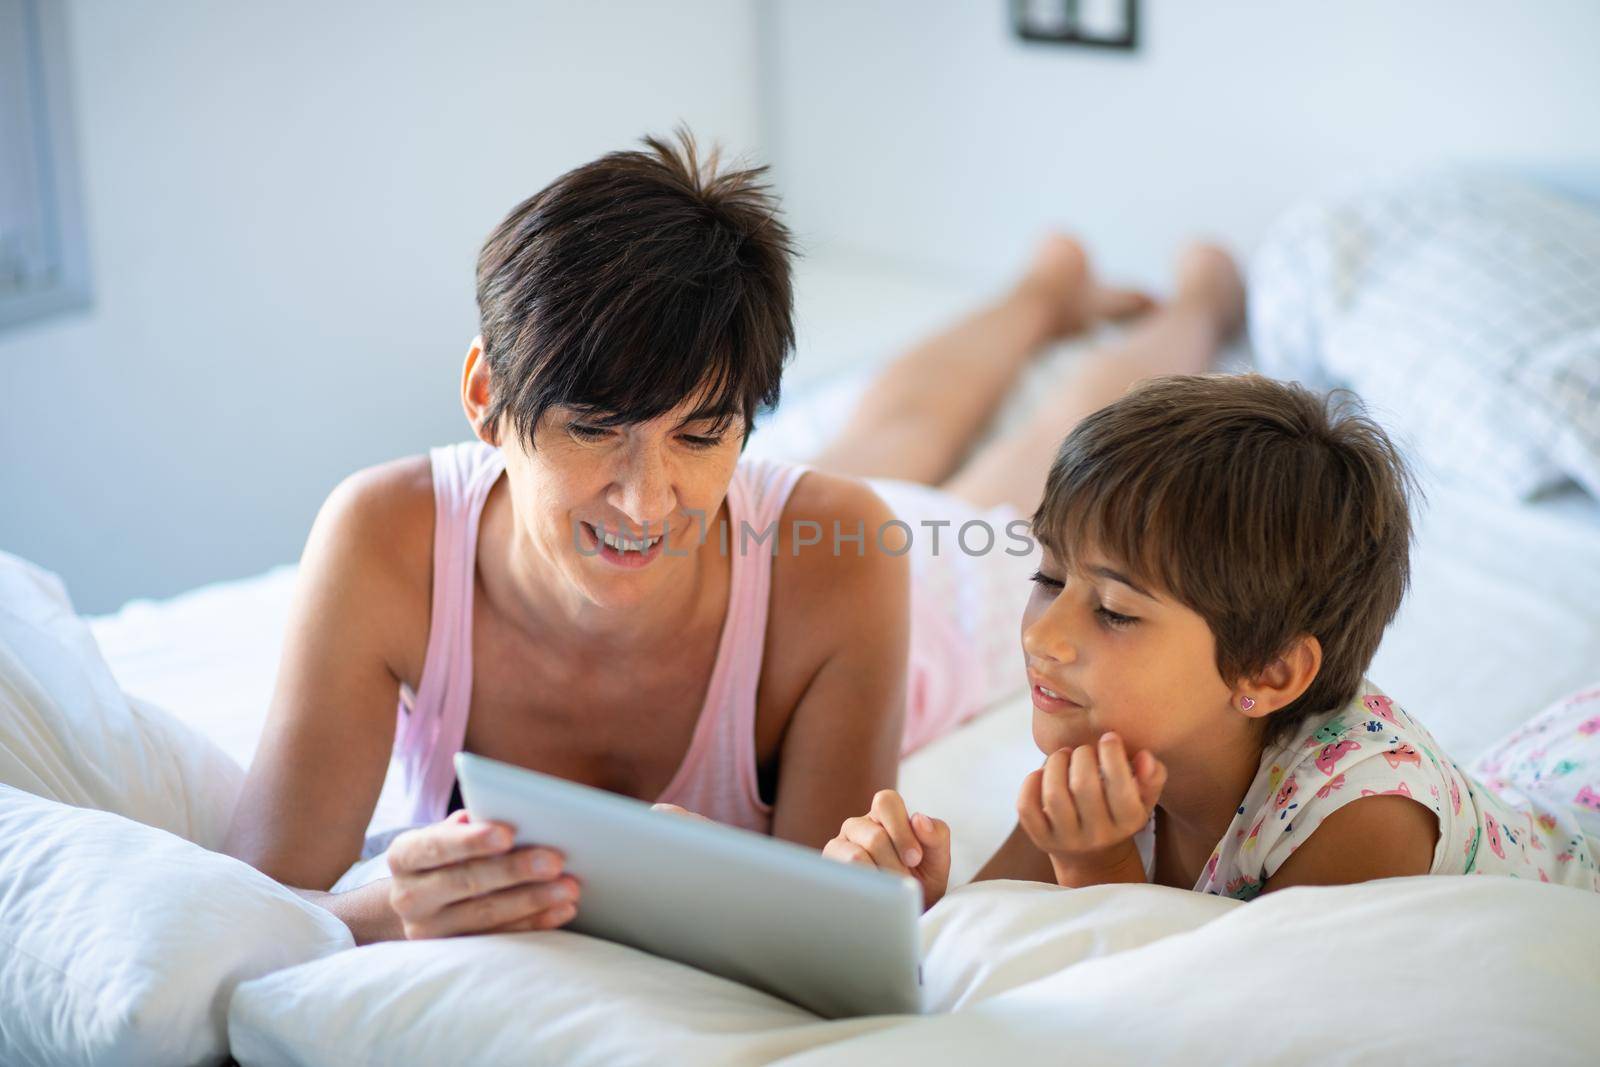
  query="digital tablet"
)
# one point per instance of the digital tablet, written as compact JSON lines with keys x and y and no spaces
{"x":837,"y":939}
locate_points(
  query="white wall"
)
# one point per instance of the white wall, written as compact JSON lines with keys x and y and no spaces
{"x":925,"y":133}
{"x":284,"y":203}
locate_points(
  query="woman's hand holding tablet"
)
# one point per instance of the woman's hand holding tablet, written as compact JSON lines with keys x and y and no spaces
{"x":835,"y":938}
{"x":461,"y":876}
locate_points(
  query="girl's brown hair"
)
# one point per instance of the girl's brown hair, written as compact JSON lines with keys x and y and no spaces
{"x":1271,"y":511}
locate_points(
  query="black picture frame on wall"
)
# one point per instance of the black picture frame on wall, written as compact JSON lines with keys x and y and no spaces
{"x":1107,"y":24}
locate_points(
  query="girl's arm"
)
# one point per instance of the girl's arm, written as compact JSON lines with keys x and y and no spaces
{"x":1374,"y":837}
{"x":1019,"y":859}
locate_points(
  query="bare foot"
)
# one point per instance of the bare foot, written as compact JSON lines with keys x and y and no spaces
{"x":1208,"y":280}
{"x":1060,"y":278}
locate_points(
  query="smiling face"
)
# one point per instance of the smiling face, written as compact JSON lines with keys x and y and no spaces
{"x":1105,"y":653}
{"x":666,"y":476}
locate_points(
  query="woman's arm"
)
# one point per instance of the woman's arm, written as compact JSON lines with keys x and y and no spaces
{"x":842,"y":742}
{"x":363,"y":602}
{"x":366,"y":911}
{"x":319,"y":768}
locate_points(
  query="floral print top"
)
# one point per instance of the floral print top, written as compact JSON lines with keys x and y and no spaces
{"x":1371,"y":747}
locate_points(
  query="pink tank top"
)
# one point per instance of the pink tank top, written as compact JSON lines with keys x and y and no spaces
{"x":717,"y":777}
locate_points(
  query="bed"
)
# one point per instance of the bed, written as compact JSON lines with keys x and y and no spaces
{"x":1503,"y":617}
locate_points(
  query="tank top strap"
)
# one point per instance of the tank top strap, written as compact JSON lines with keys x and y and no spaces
{"x":717,"y":777}
{"x":432,"y":724}
{"x":757,"y":497}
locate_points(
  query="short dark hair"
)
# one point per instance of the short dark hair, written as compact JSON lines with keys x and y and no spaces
{"x":1270,"y":510}
{"x":633,"y":283}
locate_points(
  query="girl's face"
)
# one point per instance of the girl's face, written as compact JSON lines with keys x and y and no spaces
{"x":658,"y":485}
{"x":1103,"y":653}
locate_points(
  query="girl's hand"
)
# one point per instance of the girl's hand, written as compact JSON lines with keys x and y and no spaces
{"x":891,"y":840}
{"x":463,"y":877}
{"x":1083,"y":807}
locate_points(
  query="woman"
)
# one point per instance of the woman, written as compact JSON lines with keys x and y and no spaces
{"x":557,"y":593}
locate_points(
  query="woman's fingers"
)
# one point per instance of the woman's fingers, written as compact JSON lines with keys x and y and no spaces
{"x":544,"y":920}
{"x":443,"y":886}
{"x":461,"y":876}
{"x":452,"y":841}
{"x":549,"y":904}
{"x":890,"y":811}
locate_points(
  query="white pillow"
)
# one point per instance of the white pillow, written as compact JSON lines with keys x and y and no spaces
{"x":551,"y":997}
{"x":1463,"y":308}
{"x":1435,"y":970}
{"x":487,"y":1000}
{"x":987,"y":938}
{"x":122,"y":944}
{"x":67,"y":731}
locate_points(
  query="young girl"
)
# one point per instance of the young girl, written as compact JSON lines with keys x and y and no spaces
{"x":1221,"y":558}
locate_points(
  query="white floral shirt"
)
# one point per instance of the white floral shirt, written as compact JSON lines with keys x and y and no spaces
{"x":1371,"y":747}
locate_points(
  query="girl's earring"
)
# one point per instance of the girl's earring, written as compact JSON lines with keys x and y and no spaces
{"x":1245,"y":703}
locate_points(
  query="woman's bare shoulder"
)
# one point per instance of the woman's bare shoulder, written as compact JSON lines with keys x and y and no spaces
{"x":397,"y":496}
{"x":823,"y":498}
{"x":835,"y":548}
{"x":382,"y":515}
{"x":372,"y":547}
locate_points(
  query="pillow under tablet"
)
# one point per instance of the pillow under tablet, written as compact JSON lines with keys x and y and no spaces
{"x":122,"y":944}
{"x":552,"y":997}
{"x":579,"y":1000}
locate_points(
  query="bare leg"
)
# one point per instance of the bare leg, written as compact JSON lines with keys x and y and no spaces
{"x":1181,"y":337}
{"x":919,"y":418}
